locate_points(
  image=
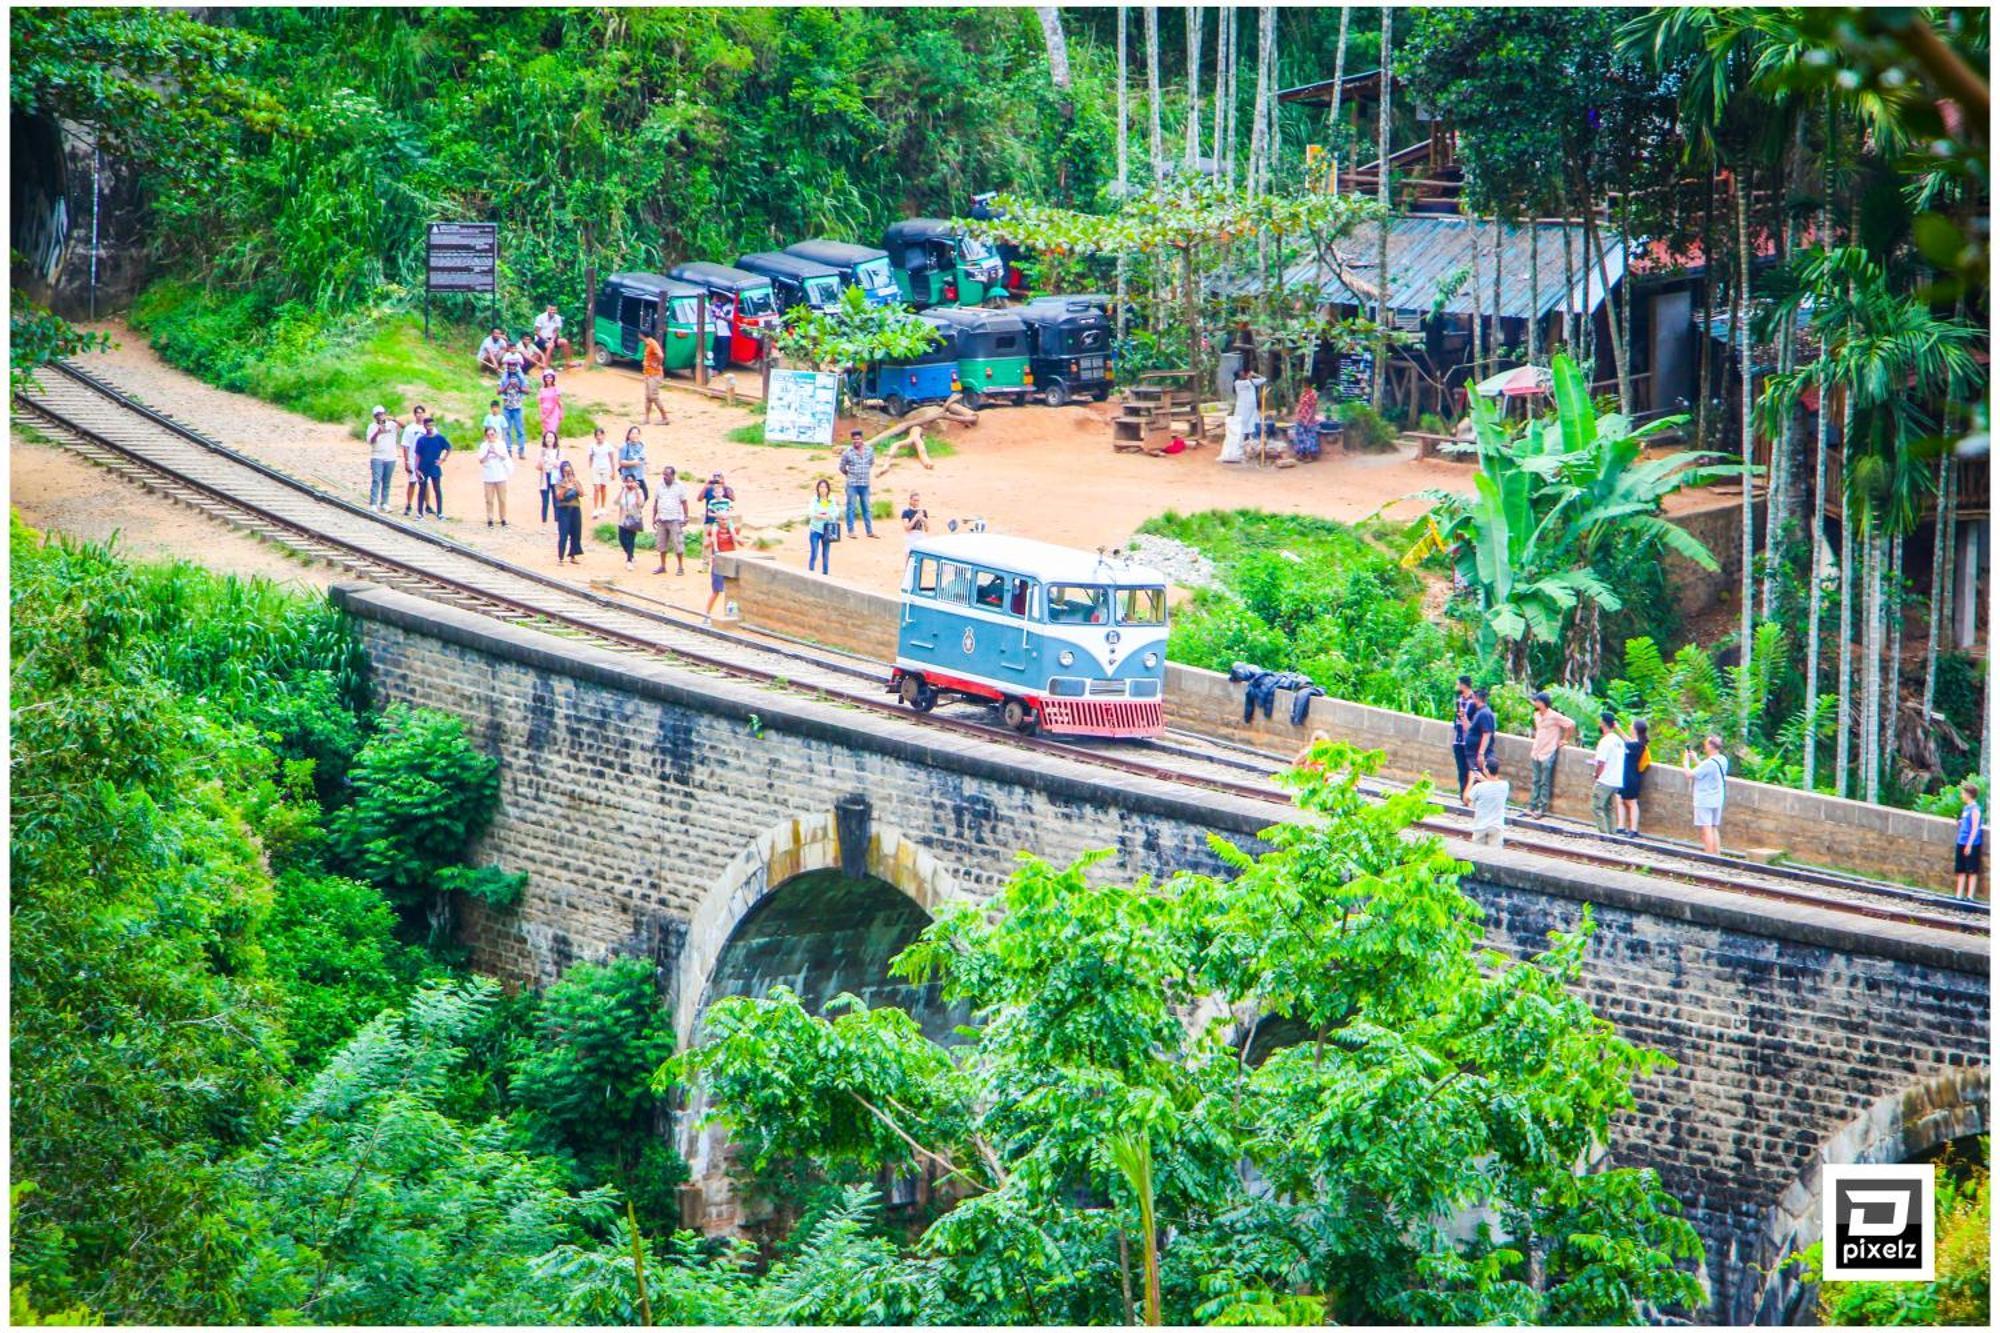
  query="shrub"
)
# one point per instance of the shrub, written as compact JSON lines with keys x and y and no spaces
{"x":330,"y":945}
{"x":1365,"y":430}
{"x":420,"y":794}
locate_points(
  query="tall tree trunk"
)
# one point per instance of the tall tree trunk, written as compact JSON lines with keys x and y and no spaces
{"x":1843,"y":744}
{"x":1871,"y":687}
{"x":1777,"y":498}
{"x":1747,"y":627}
{"x":1892,"y":694}
{"x":1052,"y":37}
{"x":1815,"y":593}
{"x":1156,"y":145}
{"x":1193,"y":88}
{"x":1222,"y":52}
{"x":1382,"y":315}
{"x":1229,"y":100}
{"x":1124,"y":150}
{"x":1940,"y":605}
{"x":1534,"y":289}
{"x":1474,"y":285}
{"x":1260,"y":130}
{"x":1593,"y":236}
{"x":1569,"y":281}
{"x":1703,"y":388}
{"x":1333,"y":126}
{"x":1621,"y":341}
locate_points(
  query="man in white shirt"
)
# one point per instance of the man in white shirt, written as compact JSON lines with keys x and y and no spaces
{"x":384,"y":447}
{"x":1488,"y":798}
{"x":492,"y":351}
{"x":412,"y":432}
{"x":1608,"y":763}
{"x":670,"y":516}
{"x":548,"y":332}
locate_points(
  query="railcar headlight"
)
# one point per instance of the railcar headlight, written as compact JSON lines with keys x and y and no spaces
{"x":1066,"y":658}
{"x":1152,"y":660}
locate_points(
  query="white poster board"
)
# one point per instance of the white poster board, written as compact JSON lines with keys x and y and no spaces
{"x":802,"y":406}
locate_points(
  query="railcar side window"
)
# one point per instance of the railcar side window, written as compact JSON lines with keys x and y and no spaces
{"x":927,"y":577}
{"x":1074,"y":604}
{"x":1018,"y":600}
{"x":954,"y":583}
{"x":989,"y":589}
{"x":1142,"y":606}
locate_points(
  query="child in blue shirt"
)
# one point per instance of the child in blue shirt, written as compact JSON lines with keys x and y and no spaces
{"x":1966,"y":848}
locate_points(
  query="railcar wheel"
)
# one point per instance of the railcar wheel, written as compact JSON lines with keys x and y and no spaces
{"x":895,"y":404}
{"x":1018,"y":715}
{"x":601,"y":354}
{"x":917,"y":693}
{"x":1055,"y":393}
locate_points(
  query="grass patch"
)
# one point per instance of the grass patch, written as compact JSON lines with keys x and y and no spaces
{"x":329,"y":368}
{"x":1229,"y":536}
{"x":607,"y":533}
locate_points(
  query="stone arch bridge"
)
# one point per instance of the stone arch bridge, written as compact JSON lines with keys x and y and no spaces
{"x":654,"y":818}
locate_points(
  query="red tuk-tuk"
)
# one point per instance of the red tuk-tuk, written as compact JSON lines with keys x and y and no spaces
{"x":748,"y":298}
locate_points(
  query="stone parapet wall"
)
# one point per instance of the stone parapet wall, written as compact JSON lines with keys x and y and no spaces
{"x":1821,"y":830}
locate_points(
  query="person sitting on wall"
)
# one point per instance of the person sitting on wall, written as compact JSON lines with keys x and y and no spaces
{"x":493,"y":352}
{"x":548,"y":336}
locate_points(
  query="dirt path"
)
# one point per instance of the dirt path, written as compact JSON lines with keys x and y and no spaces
{"x":1036,"y":471}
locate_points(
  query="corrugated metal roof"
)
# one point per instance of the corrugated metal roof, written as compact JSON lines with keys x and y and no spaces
{"x":1425,"y":251}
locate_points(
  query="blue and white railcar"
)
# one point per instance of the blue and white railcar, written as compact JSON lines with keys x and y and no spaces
{"x":1067,"y":641}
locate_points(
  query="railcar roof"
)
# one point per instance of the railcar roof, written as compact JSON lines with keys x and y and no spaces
{"x":1043,"y":560}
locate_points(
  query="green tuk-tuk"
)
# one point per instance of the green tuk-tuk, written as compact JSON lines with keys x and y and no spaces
{"x":628,"y":308}
{"x":937,"y":265}
{"x":993,"y":351}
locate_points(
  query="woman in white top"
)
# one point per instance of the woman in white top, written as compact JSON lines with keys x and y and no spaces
{"x":1710,"y":784}
{"x":549,"y":465}
{"x":1246,"y":386}
{"x":602,"y":456}
{"x":495,"y":466}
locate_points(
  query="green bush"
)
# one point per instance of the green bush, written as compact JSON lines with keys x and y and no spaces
{"x":330,"y":945}
{"x":1365,"y":430}
{"x":421,"y":794}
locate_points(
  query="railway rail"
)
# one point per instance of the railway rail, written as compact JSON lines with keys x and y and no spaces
{"x":99,"y":421}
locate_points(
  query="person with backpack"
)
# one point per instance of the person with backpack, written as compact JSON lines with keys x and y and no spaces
{"x":1638,"y":758}
{"x":822,"y":528}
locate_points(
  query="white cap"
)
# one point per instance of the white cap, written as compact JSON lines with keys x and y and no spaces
{"x":380,"y":412}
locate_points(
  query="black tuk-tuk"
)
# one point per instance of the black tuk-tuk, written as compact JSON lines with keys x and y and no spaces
{"x":1069,"y":342}
{"x":795,"y":281}
{"x":860,"y":266}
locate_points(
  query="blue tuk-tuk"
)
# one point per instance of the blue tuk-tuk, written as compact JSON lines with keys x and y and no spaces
{"x":900,"y":385}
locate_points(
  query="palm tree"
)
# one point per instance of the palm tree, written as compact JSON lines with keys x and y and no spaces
{"x":1193,"y":155}
{"x":1124,"y":149}
{"x":1382,"y":315}
{"x":1156,"y":144}
{"x":1333,"y":135}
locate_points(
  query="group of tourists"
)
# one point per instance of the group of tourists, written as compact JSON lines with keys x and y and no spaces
{"x":1619,"y":763}
{"x":534,"y":353}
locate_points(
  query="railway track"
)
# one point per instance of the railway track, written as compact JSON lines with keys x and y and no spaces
{"x":150,"y":449}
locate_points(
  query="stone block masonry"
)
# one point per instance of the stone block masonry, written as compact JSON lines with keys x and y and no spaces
{"x":654,"y":818}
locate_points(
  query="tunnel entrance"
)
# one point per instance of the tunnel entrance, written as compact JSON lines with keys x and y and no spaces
{"x":824,"y":933}
{"x":39,"y":195}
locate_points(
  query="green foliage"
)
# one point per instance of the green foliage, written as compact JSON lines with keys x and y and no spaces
{"x":583,"y":1087}
{"x":490,"y":884}
{"x":1962,"y":1293}
{"x":1364,"y":430}
{"x":38,"y":337}
{"x":331,"y":951}
{"x":853,"y":333}
{"x":421,"y":794}
{"x":1428,"y":1077}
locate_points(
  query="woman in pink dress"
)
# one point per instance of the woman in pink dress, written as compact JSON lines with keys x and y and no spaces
{"x":550,"y":399}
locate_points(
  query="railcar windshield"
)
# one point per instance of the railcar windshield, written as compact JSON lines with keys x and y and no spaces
{"x":823,"y":290}
{"x":873,"y":275}
{"x":1142,"y":606}
{"x":755,"y":301}
{"x":1079,"y":604}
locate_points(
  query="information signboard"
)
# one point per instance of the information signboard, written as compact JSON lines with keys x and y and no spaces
{"x":1354,"y":377}
{"x":802,"y":406}
{"x":461,"y":257}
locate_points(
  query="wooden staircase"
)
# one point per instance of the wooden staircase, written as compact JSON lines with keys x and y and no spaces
{"x":1163,"y":400}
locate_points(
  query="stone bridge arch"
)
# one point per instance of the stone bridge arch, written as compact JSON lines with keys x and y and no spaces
{"x":819,"y":902}
{"x":1905,"y":1126}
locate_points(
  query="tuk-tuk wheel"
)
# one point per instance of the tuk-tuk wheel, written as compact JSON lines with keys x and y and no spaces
{"x":1055,"y":393}
{"x":1101,"y":394}
{"x":895,"y":404}
{"x":601,"y":354}
{"x":972,"y":399}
